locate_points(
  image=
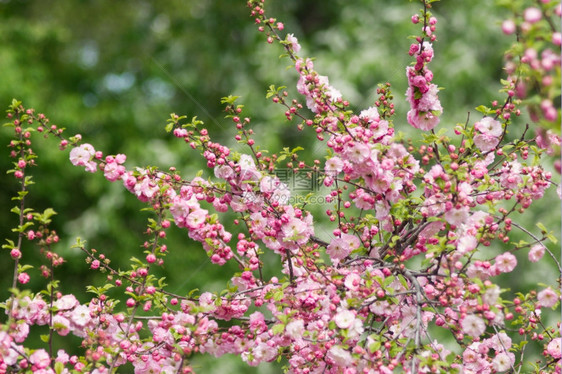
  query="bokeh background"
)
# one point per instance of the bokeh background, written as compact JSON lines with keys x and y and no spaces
{"x":114,"y":71}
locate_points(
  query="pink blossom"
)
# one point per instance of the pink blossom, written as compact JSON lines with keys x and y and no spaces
{"x":425,"y":121}
{"x":66,"y":302}
{"x":281,"y":194}
{"x":429,"y":101}
{"x":62,"y":356}
{"x":379,"y":181}
{"x":358,"y":152}
{"x":466,"y":243}
{"x":491,"y":296}
{"x":369,"y":115}
{"x":81,"y":156}
{"x":344,"y":319}
{"x":146,"y":189}
{"x":351,"y":241}
{"x":21,"y":332}
{"x":269,"y":184}
{"x":457,"y":216}
{"x":352,"y":281}
{"x":532,"y":14}
{"x":379,"y":128}
{"x":343,"y":246}
{"x":40,"y":359}
{"x":294,"y":43}
{"x":554,"y":348}
{"x":548,"y":297}
{"x":471,"y":353}
{"x":489,"y":126}
{"x":500,"y":342}
{"x":196,"y":219}
{"x":340,"y":356}
{"x":503,"y":361}
{"x":91,"y":167}
{"x":295,"y":328}
{"x":338,"y":249}
{"x":333,"y":166}
{"x":295,"y":230}
{"x":485,"y":142}
{"x":81,"y":315}
{"x":536,"y":252}
{"x":431,"y":229}
{"x":61,"y":325}
{"x":506,"y":262}
{"x":23,"y":278}
{"x":224,"y":172}
{"x":473,"y":325}
{"x":113,"y":169}
{"x":508,"y":27}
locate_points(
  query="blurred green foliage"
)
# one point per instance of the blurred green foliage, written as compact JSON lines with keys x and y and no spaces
{"x":113,"y":71}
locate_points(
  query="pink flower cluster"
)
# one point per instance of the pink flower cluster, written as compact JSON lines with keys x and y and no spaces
{"x":543,"y":59}
{"x":316,"y":88}
{"x":187,"y":213}
{"x":422,"y":95}
{"x":488,"y":134}
{"x":491,"y":355}
{"x":407,"y":254}
{"x":83,"y":155}
{"x":281,"y":227}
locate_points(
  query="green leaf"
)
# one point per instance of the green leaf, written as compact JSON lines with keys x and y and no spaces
{"x":10,"y":244}
{"x":45,"y":338}
{"x":59,"y":367}
{"x":229,"y":99}
{"x":45,"y":217}
{"x":79,"y":243}
{"x":375,"y":346}
{"x":278,"y":329}
{"x":552,"y":238}
{"x":483,"y":109}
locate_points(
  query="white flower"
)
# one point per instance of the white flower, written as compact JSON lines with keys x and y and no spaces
{"x":473,"y":325}
{"x":548,"y":298}
{"x":81,"y":315}
{"x":352,"y":281}
{"x":340,"y":356}
{"x":457,"y":216}
{"x":334,"y":165}
{"x":344,"y":319}
{"x":486,"y":142}
{"x":502,"y":362}
{"x":294,"y":329}
{"x":369,"y":115}
{"x":81,"y":156}
{"x":489,"y":126}
{"x":294,"y":43}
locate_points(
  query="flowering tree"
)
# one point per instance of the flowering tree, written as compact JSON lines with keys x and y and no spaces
{"x":412,"y":254}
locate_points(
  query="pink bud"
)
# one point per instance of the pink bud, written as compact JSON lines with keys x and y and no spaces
{"x":23,"y":278}
{"x":508,"y":27}
{"x":532,"y":15}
